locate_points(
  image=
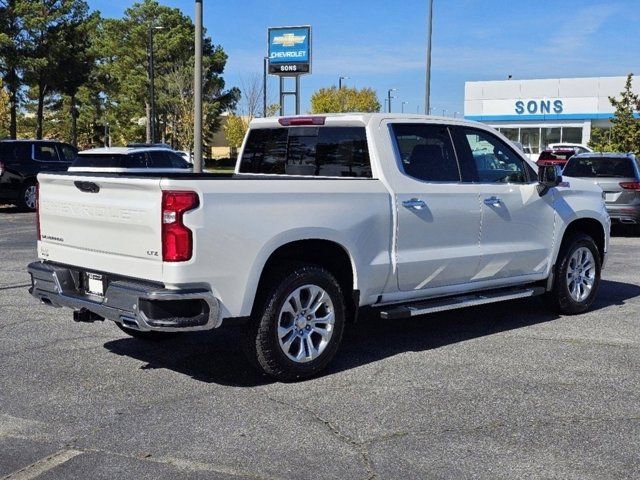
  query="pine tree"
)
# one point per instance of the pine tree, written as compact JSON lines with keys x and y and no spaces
{"x":624,"y":134}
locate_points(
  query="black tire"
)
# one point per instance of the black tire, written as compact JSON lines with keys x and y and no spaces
{"x":27,"y":196}
{"x":151,"y":336}
{"x":560,"y":296}
{"x":262,"y":344}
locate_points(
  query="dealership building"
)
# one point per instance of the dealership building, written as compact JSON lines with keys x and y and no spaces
{"x":539,"y":112}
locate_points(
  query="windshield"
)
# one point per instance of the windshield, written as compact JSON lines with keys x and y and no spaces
{"x":600,"y":167}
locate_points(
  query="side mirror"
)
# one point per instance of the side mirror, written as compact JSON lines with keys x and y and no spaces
{"x":549,"y":176}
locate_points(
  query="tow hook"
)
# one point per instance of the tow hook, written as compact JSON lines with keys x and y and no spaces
{"x":84,"y":315}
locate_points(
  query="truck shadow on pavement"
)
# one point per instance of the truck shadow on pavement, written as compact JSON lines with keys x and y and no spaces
{"x":216,"y":356}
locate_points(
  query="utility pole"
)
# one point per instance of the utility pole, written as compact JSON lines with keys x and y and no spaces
{"x":427,"y":95}
{"x":197,"y":89}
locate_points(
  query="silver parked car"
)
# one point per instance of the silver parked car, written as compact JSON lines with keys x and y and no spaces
{"x":618,"y":174}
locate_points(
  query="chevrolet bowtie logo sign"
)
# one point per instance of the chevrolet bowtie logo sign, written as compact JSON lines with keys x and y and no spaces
{"x":289,"y":39}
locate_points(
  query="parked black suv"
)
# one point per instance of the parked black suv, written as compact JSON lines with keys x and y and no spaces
{"x":20,"y":163}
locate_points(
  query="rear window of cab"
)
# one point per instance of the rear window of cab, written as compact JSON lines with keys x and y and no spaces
{"x":309,"y":151}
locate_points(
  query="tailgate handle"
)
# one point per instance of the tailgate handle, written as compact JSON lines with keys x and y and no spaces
{"x":88,"y":187}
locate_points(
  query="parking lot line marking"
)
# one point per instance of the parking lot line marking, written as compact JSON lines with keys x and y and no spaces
{"x":43,"y":465}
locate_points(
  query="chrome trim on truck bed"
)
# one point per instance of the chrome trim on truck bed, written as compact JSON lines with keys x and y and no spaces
{"x":126,"y":302}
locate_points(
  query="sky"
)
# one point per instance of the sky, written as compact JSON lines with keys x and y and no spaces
{"x":382,"y":44}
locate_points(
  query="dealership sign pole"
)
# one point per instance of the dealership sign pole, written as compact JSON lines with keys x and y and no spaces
{"x":289,"y":56}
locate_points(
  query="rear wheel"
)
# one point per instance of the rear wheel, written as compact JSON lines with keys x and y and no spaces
{"x":28,"y":196}
{"x":577,"y":275}
{"x":152,"y":336}
{"x":297,"y":324}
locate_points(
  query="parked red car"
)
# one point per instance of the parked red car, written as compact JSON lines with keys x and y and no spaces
{"x":555,"y":156}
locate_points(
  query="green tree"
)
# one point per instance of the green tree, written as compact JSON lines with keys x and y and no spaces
{"x":51,"y":27}
{"x":4,"y":111}
{"x":12,"y":55}
{"x":76,"y":61}
{"x":235,"y":129}
{"x":334,"y":100}
{"x":624,"y":134}
{"x":124,"y":47}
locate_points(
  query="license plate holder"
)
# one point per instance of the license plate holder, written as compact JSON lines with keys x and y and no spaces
{"x":94,"y":283}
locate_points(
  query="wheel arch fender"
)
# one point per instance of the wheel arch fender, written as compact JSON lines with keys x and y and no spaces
{"x":304,"y":245}
{"x":588,"y":224}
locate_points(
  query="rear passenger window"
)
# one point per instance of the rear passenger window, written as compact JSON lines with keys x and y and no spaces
{"x":177,"y":161}
{"x":158,"y":159}
{"x":45,"y":153}
{"x":68,"y":153}
{"x":136,"y":160}
{"x":426,"y":152}
{"x":312,"y":151}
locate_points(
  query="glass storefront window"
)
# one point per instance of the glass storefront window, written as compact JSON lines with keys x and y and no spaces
{"x":511,"y":133}
{"x":530,"y":139}
{"x":550,"y":135}
{"x":572,"y":135}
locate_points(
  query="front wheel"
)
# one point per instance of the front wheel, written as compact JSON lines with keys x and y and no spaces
{"x":577,"y":275}
{"x":297,"y":324}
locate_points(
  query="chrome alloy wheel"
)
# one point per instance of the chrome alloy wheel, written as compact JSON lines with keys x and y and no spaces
{"x":581,"y":274}
{"x":30,"y":197}
{"x":305,"y":323}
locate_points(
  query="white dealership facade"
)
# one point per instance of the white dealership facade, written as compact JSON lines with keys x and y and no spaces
{"x":539,"y":112}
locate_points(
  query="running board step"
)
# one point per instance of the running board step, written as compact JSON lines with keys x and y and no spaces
{"x":462,"y":301}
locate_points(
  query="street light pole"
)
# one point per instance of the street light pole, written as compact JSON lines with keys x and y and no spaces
{"x":389,"y":97}
{"x":427,"y":95}
{"x":152,"y":90}
{"x":197,"y":89}
{"x":402,"y":107}
{"x":340,"y":82}
{"x":152,"y":93}
{"x":265,"y":66}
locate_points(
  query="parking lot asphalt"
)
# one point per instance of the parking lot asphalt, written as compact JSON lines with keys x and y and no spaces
{"x":501,"y":391}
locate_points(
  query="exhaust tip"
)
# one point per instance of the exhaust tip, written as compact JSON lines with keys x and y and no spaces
{"x":129,"y":322}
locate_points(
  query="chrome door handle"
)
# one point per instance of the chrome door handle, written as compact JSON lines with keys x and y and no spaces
{"x":494,"y":201}
{"x":414,"y":203}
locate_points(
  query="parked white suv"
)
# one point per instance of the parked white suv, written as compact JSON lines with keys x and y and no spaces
{"x":323,"y":216}
{"x":130,"y":160}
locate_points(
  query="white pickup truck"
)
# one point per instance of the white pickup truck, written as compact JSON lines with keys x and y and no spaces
{"x":324,"y":215}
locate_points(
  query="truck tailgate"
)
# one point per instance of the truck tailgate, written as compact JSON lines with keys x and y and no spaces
{"x":111,"y":223}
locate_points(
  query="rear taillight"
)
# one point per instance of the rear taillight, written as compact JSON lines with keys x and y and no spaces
{"x":177,"y":239}
{"x":631,"y":186}
{"x":38,"y":210}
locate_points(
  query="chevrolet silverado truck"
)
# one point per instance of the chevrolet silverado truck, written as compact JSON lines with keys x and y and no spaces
{"x":323,"y":216}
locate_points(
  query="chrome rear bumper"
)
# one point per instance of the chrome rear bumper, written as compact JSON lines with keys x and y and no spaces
{"x":136,"y":305}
